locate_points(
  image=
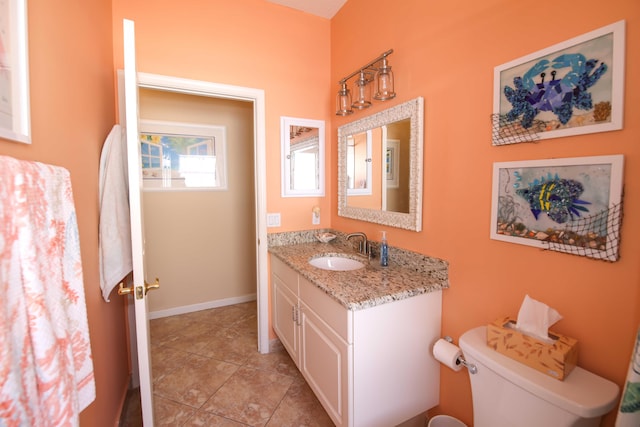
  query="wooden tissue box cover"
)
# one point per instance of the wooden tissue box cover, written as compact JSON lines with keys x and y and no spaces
{"x":556,"y":360}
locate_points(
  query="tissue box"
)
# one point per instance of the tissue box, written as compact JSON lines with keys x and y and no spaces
{"x":556,"y":360}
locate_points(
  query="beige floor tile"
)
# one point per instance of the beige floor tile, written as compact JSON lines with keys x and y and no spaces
{"x":160,"y":329}
{"x":132,"y":416}
{"x":165,"y":360}
{"x":229,"y":345}
{"x":250,"y":396}
{"x":248,"y":326}
{"x":207,"y":372}
{"x":193,"y":383}
{"x":227,"y":316}
{"x":168,"y":413}
{"x":279,"y":362}
{"x":207,"y":419}
{"x":191,"y":343}
{"x":300,"y":408}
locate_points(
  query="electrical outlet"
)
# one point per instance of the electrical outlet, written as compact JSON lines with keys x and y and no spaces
{"x":315,"y":215}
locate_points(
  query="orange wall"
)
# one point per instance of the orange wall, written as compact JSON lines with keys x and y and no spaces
{"x":72,"y":111}
{"x":251,"y":43}
{"x":446,"y":52}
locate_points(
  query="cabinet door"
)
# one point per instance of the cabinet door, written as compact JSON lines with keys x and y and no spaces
{"x":285,"y":305}
{"x":324,"y":362}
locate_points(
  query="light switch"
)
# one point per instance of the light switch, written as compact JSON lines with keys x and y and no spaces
{"x":273,"y":220}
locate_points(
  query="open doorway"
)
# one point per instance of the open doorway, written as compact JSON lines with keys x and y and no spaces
{"x":198,"y":230}
{"x":257,"y":253}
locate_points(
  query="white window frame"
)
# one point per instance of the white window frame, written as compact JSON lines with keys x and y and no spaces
{"x":217,"y":133}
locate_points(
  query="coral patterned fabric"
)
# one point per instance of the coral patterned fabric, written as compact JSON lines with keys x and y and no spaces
{"x":46,"y":368}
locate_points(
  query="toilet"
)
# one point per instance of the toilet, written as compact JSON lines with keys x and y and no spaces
{"x":507,"y":393}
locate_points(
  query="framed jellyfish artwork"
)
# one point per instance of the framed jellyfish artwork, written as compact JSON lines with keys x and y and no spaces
{"x":572,"y":88}
{"x":571,"y":205}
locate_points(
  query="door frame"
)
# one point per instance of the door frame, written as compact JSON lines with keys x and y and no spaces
{"x":256,"y":96}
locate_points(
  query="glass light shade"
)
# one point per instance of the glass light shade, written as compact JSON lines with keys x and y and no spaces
{"x":362,"y":90}
{"x":343,"y":101}
{"x":384,"y":83}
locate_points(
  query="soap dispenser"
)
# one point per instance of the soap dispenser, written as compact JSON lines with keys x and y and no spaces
{"x":384,"y":250}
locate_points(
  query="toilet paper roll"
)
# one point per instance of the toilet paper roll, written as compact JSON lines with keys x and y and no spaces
{"x":447,"y":354}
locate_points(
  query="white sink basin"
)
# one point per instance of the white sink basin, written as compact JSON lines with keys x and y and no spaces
{"x":336,"y":263}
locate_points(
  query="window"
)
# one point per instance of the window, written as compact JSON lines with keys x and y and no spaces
{"x":151,"y":150}
{"x":178,"y":156}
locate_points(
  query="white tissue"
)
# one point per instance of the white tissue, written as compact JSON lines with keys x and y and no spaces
{"x":535,"y":318}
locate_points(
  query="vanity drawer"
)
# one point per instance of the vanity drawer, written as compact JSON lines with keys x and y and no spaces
{"x":285,"y":273}
{"x":326,"y":308}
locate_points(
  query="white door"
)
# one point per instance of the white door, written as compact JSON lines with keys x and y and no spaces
{"x":139,"y":290}
{"x":132,"y":80}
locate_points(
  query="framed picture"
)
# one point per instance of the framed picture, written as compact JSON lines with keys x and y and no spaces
{"x":569,"y":205}
{"x":182,"y":156}
{"x":391,"y":163}
{"x":14,"y":72}
{"x":572,"y":88}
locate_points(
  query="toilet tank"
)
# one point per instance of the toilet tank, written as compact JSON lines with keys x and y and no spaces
{"x":507,"y":393}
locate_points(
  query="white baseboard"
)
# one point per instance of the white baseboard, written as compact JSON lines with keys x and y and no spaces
{"x":200,"y":306}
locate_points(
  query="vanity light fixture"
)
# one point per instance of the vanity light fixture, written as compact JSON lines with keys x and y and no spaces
{"x":343,"y":100}
{"x":362,"y":89}
{"x":378,"y":70}
{"x":384,"y":82}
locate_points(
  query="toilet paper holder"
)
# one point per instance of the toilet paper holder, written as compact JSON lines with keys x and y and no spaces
{"x":461,"y":361}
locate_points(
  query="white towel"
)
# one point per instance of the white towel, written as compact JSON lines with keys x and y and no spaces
{"x":45,"y":353}
{"x":115,"y":225}
{"x":629,"y":411}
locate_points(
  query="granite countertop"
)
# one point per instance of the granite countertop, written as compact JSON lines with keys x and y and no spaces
{"x":407,"y":275}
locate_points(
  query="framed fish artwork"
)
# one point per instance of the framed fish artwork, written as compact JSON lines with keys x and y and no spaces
{"x":572,"y":88}
{"x":568,"y":205}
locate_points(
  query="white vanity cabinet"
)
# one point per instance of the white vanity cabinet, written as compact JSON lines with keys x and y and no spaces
{"x":308,"y":333}
{"x":325,"y":350}
{"x":285,"y":306}
{"x":369,"y":367}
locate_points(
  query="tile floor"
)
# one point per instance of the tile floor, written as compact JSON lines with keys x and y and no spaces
{"x":207,"y":372}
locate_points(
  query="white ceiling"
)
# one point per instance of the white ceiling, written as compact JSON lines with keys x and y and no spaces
{"x":323,"y":8}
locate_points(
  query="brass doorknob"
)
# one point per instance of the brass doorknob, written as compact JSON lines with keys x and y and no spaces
{"x":124,"y":291}
{"x":149,"y":287}
{"x":138,"y":289}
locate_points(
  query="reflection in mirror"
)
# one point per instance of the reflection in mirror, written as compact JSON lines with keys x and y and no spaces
{"x":302,"y":142}
{"x":359,"y":164}
{"x":380,"y":167}
{"x":395,"y":167}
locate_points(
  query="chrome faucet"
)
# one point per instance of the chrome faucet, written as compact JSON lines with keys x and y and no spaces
{"x":363,"y":248}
